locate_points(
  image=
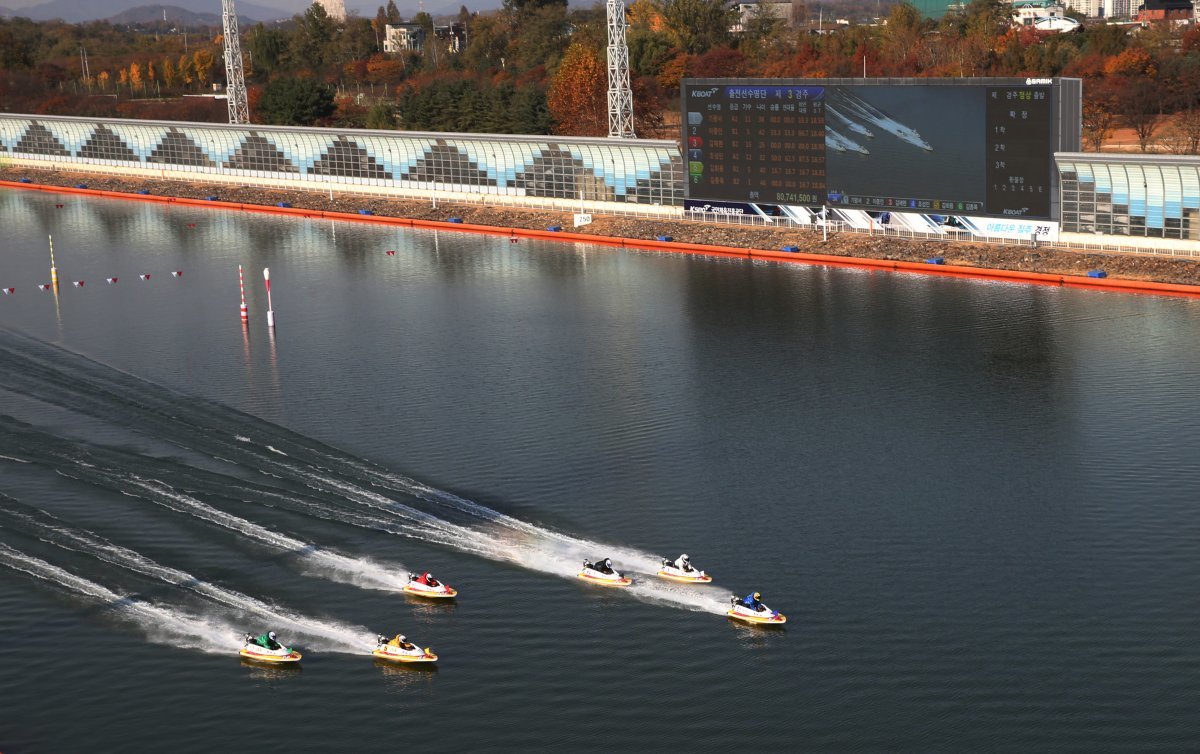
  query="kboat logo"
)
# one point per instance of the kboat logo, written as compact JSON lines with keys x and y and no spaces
{"x":705,"y":93}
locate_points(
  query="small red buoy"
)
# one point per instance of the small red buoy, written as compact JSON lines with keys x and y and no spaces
{"x":9,"y":290}
{"x":145,"y":277}
{"x":78,"y":283}
{"x":177,"y":274}
{"x":58,"y":206}
{"x":391,"y":253}
{"x":44,"y":286}
{"x":110,"y":281}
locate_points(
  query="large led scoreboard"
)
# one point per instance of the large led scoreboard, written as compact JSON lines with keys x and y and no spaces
{"x":982,"y":147}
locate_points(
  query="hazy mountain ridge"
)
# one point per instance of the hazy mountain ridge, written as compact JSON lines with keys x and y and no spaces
{"x":132,"y":11}
{"x":209,"y":11}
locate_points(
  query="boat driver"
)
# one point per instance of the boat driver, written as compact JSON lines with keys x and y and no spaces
{"x":427,"y":579}
{"x":683,"y":564}
{"x":754,"y":602}
{"x":604,"y":566}
{"x":267,"y":641}
{"x":402,"y":642}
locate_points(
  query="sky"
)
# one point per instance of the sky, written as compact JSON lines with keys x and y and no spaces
{"x":364,"y":7}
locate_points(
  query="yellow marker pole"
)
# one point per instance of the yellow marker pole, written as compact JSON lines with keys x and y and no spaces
{"x":53,"y":269}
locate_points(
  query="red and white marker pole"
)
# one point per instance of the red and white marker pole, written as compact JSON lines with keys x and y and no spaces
{"x":270,"y":309}
{"x":53,"y":269}
{"x":242,"y":287}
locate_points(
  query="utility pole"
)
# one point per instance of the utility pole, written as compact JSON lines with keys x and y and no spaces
{"x":235,"y":88}
{"x":620,"y":94}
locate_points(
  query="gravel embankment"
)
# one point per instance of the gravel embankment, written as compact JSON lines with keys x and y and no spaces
{"x":1026,"y":259}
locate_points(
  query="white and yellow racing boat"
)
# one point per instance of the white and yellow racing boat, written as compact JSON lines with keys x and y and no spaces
{"x":399,"y":650}
{"x":683,"y":575}
{"x":762,"y":617}
{"x":604,"y":574}
{"x":255,"y":652}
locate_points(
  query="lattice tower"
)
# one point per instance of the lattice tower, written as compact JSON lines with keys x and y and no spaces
{"x":239,"y":109}
{"x":620,"y":94}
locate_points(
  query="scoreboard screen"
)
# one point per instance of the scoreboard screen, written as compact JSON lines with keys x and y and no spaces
{"x":973,"y":147}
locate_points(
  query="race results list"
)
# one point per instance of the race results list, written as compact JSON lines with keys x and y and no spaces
{"x":1018,"y":149}
{"x":763,"y":143}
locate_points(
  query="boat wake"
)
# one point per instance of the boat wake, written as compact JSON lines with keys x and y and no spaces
{"x":161,"y":624}
{"x":295,"y":472}
{"x":323,"y":635}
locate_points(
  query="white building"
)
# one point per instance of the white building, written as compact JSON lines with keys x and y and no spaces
{"x":1118,"y":9}
{"x":400,"y":37}
{"x":1029,"y":12}
{"x":335,"y":9}
{"x":780,"y":9}
{"x":1089,"y":8}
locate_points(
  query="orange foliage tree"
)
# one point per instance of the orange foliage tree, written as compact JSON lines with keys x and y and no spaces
{"x":577,"y":98}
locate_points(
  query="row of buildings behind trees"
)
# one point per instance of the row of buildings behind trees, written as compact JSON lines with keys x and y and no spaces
{"x":538,"y":66}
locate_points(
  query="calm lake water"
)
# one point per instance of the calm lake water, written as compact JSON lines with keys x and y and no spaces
{"x":977,"y":502}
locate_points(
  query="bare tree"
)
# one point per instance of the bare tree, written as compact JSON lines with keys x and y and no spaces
{"x":1140,"y":106}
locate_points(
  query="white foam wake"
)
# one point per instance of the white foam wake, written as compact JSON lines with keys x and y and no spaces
{"x":160,"y":623}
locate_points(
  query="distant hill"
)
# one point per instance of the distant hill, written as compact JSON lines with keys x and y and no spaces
{"x":6,"y":12}
{"x":74,"y":11}
{"x":150,"y":14}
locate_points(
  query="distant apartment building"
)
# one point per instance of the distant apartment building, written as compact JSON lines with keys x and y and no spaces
{"x":335,"y":9}
{"x":1165,"y":10}
{"x":1117,"y":9}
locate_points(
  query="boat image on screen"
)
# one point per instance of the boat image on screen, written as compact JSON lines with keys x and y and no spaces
{"x":844,"y":104}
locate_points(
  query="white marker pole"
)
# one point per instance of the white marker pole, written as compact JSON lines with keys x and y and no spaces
{"x":270,"y":309}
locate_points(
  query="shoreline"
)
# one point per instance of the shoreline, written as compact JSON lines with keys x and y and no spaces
{"x":1046,"y":266}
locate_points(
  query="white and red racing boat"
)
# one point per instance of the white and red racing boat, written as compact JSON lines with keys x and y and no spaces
{"x":420,"y":586}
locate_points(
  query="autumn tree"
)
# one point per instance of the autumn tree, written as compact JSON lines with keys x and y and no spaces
{"x":1139,"y":102}
{"x":902,"y":37}
{"x":1099,"y":117}
{"x":697,"y":25}
{"x":135,"y":76}
{"x":577,"y":97}
{"x":202,"y":64}
{"x":169,"y":76}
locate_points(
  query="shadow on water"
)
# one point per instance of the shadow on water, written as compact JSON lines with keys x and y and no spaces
{"x":269,"y":675}
{"x":405,"y":677}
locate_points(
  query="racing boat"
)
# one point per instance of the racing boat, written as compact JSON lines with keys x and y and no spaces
{"x":427,"y":586}
{"x":591,"y":572}
{"x":395,"y":651}
{"x":252,"y":650}
{"x":766,"y":616}
{"x":683,"y":575}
